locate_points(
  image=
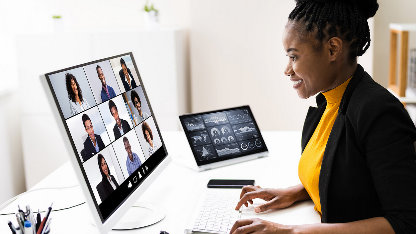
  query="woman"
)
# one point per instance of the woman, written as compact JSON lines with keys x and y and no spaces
{"x":76,"y":101}
{"x":148,"y":136}
{"x":108,"y":183}
{"x":138,"y":104}
{"x":126,"y":76}
{"x":93,"y":143}
{"x":358,"y":146}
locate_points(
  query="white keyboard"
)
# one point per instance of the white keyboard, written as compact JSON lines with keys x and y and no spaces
{"x":217,"y":213}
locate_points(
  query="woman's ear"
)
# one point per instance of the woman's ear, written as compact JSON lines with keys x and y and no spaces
{"x":334,"y":46}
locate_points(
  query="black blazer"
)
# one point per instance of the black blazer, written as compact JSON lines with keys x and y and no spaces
{"x":124,"y":81}
{"x":104,"y":188}
{"x":124,"y":125}
{"x":89,"y":149}
{"x":369,"y":165}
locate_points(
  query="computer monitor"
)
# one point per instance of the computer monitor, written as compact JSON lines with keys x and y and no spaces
{"x":103,"y":110}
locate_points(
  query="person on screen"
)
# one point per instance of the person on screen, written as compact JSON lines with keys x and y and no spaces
{"x":108,"y":183}
{"x":122,"y":126}
{"x":133,"y":161}
{"x":126,"y":76}
{"x":93,"y":144}
{"x":138,"y":104}
{"x":358,"y":144}
{"x":107,"y":92}
{"x":148,"y":136}
{"x":76,"y":100}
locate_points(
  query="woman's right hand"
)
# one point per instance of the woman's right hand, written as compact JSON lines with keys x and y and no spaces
{"x":275,"y":198}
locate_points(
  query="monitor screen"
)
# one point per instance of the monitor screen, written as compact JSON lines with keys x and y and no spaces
{"x":111,"y":126}
{"x":222,"y":134}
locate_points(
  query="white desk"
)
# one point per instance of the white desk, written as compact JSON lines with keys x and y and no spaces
{"x":178,"y":188}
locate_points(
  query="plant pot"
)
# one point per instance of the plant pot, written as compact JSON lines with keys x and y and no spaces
{"x":151,"y":20}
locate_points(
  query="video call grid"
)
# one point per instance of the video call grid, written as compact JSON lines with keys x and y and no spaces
{"x":131,"y":121}
{"x":219,"y":120}
{"x":102,"y":119}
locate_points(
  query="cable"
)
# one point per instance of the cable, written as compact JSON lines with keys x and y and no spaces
{"x":2,"y":206}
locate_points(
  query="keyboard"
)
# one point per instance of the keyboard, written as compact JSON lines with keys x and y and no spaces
{"x":217,"y":212}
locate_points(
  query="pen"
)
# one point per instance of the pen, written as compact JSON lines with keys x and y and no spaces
{"x":44,"y":220}
{"x":18,"y":209}
{"x":38,"y":221}
{"x":28,"y":228}
{"x":39,"y":231}
{"x":46,"y":229}
{"x":30,"y":218}
{"x":12,"y":227}
{"x":21,"y":212}
{"x":19,"y":221}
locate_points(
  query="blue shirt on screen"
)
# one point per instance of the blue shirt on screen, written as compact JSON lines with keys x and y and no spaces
{"x":133,"y":165}
{"x":104,"y":96}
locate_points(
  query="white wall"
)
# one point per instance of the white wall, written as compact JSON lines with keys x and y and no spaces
{"x":237,"y":55}
{"x":32,"y":17}
{"x":237,"y":58}
{"x":11,"y":166}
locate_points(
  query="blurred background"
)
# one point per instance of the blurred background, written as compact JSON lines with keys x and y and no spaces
{"x":192,"y":55}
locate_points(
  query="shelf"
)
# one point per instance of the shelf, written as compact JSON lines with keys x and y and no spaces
{"x":403,"y":27}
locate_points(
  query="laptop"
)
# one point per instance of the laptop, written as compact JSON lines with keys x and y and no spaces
{"x":223,"y":137}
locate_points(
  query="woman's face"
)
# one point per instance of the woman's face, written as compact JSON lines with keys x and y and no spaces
{"x":104,"y":167}
{"x":147,"y":135}
{"x":308,"y":65}
{"x":114,"y":113}
{"x":137,"y":104}
{"x":74,"y":87}
{"x":124,"y":68}
{"x":89,"y":128}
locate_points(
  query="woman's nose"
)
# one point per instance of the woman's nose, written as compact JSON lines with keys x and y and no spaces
{"x":288,"y":71}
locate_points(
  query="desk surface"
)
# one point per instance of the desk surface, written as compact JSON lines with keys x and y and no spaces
{"x":179,"y":187}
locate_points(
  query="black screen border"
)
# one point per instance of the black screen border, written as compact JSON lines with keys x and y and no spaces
{"x":220,"y":159}
{"x":161,"y":154}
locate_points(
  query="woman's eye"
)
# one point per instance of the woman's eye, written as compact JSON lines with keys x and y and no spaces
{"x":293,"y":58}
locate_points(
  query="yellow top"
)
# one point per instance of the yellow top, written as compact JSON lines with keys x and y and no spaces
{"x":311,"y":160}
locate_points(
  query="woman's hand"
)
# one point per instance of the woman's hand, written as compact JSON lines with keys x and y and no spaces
{"x":258,"y":226}
{"x":276,"y":198}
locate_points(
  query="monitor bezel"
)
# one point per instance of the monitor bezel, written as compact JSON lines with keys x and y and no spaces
{"x":104,"y":225}
{"x":219,"y":160}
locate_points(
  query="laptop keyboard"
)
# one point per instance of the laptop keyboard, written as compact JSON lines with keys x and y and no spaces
{"x":217,"y":213}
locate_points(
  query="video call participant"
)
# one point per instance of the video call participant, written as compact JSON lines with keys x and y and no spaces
{"x":108,"y":183}
{"x":76,"y":101}
{"x":148,"y":136}
{"x":133,"y":161}
{"x":358,"y":145}
{"x":138,"y":104}
{"x":126,"y":76}
{"x":122,"y":126}
{"x":93,"y":144}
{"x":107,"y":92}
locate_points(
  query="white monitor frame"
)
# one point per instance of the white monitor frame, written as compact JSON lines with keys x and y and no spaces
{"x":114,"y":218}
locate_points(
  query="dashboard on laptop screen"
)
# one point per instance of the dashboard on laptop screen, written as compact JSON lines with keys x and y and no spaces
{"x":222,"y":134}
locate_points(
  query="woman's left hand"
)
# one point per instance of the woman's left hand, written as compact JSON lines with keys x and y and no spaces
{"x":258,"y":226}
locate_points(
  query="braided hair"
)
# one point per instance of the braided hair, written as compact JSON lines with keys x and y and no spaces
{"x":346,"y":19}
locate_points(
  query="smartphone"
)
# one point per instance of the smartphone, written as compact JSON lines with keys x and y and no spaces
{"x":221,"y":183}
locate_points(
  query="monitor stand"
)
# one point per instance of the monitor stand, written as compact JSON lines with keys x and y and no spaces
{"x":139,"y":216}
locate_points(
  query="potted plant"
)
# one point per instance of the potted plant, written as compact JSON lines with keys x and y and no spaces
{"x":151,"y":15}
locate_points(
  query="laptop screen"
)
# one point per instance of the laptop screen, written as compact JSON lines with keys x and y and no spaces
{"x":222,"y":134}
{"x":111,"y":127}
